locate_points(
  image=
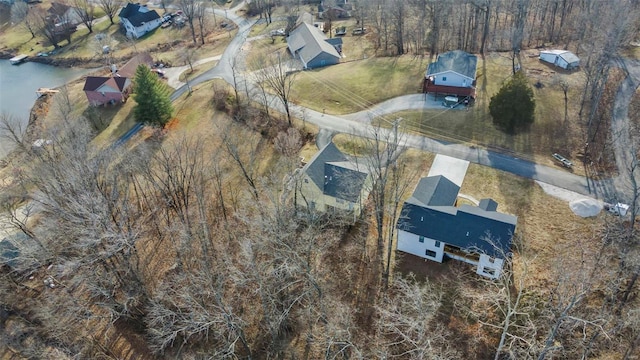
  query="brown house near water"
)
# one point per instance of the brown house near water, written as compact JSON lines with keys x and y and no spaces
{"x":107,"y":90}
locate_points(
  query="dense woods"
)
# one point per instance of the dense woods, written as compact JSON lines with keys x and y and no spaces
{"x":194,"y":244}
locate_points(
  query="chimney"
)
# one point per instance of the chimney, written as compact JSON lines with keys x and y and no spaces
{"x":488,"y":205}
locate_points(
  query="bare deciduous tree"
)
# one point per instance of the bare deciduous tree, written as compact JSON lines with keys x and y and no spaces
{"x":190,"y":11}
{"x":110,"y":8}
{"x":85,"y":10}
{"x":406,"y":327}
{"x":276,"y":75}
{"x":21,"y":14}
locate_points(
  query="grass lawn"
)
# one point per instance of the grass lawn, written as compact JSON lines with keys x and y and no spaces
{"x":265,"y":29}
{"x":550,"y":133}
{"x":354,"y":86}
{"x":197,"y":70}
{"x":164,"y":44}
{"x":260,"y":48}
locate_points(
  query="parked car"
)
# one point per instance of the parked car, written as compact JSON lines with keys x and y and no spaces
{"x":166,"y":24}
{"x":341,"y":31}
{"x":359,"y":31}
{"x":166,"y":18}
{"x":562,"y":160}
{"x":279,"y":32}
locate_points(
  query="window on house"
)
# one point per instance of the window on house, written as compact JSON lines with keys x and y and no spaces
{"x":444,"y":78}
{"x":430,"y":253}
{"x":421,"y":239}
{"x":437,"y":244}
{"x":489,"y":271}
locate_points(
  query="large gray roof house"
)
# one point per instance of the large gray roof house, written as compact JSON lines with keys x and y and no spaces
{"x":309,"y":45}
{"x":431,"y":226}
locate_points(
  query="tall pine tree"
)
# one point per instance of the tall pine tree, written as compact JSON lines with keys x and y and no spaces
{"x":152,"y":98}
{"x":512,"y":108}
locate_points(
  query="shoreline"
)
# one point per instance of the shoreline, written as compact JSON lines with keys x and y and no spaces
{"x":66,"y":62}
{"x":38,"y":111}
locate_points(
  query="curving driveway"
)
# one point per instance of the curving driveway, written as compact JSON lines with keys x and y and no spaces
{"x":358,"y":123}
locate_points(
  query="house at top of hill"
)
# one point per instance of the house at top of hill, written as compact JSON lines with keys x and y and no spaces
{"x":101,"y":90}
{"x":453,"y":73}
{"x":308,"y":44}
{"x":561,"y":58}
{"x":137,"y":20}
{"x":331,"y":182}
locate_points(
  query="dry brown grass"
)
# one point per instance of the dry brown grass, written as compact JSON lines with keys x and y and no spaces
{"x":546,"y":225}
{"x":353,"y":86}
{"x":550,"y":133}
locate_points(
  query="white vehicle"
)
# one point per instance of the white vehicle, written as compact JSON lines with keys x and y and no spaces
{"x":279,"y":32}
{"x":618,"y":209}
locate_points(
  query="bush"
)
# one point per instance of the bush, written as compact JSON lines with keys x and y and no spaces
{"x":512,"y":108}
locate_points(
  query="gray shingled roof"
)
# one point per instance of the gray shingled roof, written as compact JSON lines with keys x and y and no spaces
{"x":343,"y":180}
{"x":334,"y":174}
{"x":315,"y":167}
{"x":135,"y":17}
{"x":309,"y":42}
{"x":436,"y":191}
{"x":466,"y":227}
{"x":488,"y":205}
{"x":456,"y":60}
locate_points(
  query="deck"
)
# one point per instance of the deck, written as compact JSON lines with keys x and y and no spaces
{"x":18,"y":59}
{"x":45,"y":91}
{"x":429,"y":87}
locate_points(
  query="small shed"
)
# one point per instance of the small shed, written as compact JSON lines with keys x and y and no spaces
{"x":561,"y":58}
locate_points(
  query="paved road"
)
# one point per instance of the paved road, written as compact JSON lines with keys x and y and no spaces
{"x":528,"y":169}
{"x":223,"y":69}
{"x":358,"y":123}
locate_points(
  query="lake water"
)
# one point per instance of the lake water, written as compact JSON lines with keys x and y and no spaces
{"x":18,"y":85}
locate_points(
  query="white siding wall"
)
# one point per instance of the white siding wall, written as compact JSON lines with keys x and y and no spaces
{"x":450,"y":78}
{"x":142,"y":29}
{"x":410,"y":243}
{"x":548,"y":57}
{"x":562,"y":63}
{"x":489,"y":267}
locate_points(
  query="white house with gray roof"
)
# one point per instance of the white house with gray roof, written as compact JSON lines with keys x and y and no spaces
{"x":136,"y":20}
{"x":432,"y":227}
{"x":330,"y":181}
{"x":453,"y":73}
{"x":309,"y":45}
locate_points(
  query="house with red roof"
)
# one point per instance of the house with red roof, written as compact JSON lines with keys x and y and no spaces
{"x":102,"y":90}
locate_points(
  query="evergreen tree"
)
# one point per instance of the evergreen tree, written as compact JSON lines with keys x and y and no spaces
{"x":512,"y":108}
{"x":152,"y":98}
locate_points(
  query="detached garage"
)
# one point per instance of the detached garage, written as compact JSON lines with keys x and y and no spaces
{"x":561,"y":58}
